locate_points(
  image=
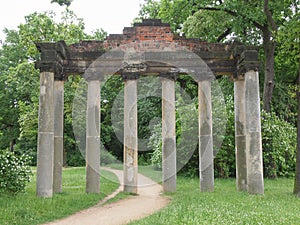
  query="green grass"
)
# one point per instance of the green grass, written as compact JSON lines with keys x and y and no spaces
{"x":148,"y":171}
{"x":227,"y":206}
{"x":120,"y":196}
{"x":26,"y":208}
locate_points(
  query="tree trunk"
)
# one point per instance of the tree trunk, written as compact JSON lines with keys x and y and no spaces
{"x":297,"y":174}
{"x":269,"y":49}
{"x":12,"y":145}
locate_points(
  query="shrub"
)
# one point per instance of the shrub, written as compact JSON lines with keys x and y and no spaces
{"x":279,"y":148}
{"x":224,"y":161}
{"x":77,"y":158}
{"x":155,"y":146}
{"x":15,"y":172}
{"x":278,"y":143}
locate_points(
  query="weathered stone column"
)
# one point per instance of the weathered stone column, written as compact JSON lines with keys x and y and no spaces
{"x":45,"y":152}
{"x":93,"y":137}
{"x":206,"y":162}
{"x":253,"y":134}
{"x":168,"y":133}
{"x":58,"y":135}
{"x":130,"y":134}
{"x":240,"y":135}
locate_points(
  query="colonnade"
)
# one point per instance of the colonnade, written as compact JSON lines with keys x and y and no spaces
{"x":247,"y":134}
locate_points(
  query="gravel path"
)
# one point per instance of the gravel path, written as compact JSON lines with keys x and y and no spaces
{"x":148,"y":201}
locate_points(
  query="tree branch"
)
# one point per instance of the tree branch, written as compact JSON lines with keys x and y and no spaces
{"x":224,"y":35}
{"x":235,"y":14}
{"x":268,"y":13}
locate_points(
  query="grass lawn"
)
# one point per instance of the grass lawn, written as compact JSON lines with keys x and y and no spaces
{"x":26,"y":208}
{"x":148,"y":171}
{"x":227,"y":206}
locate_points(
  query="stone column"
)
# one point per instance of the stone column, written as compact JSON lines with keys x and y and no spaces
{"x":93,"y":137}
{"x":130,"y":134}
{"x":168,"y":134}
{"x":240,"y":135}
{"x":206,"y":162}
{"x":253,"y":134}
{"x":45,"y":151}
{"x":58,"y":135}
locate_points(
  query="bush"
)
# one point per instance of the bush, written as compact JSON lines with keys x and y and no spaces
{"x":278,"y":143}
{"x":155,"y":146}
{"x":224,"y":161}
{"x":77,"y":158}
{"x":15,"y":172}
{"x":279,"y":148}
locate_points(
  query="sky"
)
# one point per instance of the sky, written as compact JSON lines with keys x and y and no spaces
{"x":111,"y":15}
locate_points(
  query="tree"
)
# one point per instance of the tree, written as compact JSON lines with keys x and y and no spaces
{"x":297,"y":174}
{"x":62,"y":2}
{"x":288,"y":64}
{"x":250,"y":21}
{"x":290,"y":60}
{"x":20,"y":80}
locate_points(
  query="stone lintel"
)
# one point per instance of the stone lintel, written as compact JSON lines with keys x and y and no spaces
{"x":249,"y":55}
{"x":87,"y":56}
{"x":135,"y":67}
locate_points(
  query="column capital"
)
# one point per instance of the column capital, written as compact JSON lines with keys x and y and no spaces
{"x":247,"y":60}
{"x":93,"y":76}
{"x":238,"y":77}
{"x":51,"y":66}
{"x":53,"y":55}
{"x":169,"y":75}
{"x":130,"y":76}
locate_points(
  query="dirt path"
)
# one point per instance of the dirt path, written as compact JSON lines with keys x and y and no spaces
{"x":148,"y":201}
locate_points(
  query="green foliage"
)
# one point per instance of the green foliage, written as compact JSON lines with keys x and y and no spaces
{"x":278,"y":143}
{"x":224,"y":161}
{"x":19,"y":80}
{"x":210,"y":19}
{"x":278,"y":139}
{"x":287,"y":59}
{"x":62,"y":2}
{"x":186,"y":140}
{"x":187,"y":129}
{"x":107,"y":158}
{"x":259,"y":23}
{"x":279,"y":150}
{"x":15,"y":172}
{"x":155,"y":145}
{"x":206,"y":25}
{"x":284,"y":103}
{"x":150,"y":9}
{"x":75,"y":157}
{"x":109,"y":94}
